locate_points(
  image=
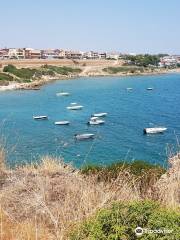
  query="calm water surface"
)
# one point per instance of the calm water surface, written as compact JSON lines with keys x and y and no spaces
{"x":121,"y":138}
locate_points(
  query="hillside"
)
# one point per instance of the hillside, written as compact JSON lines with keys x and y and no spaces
{"x":31,"y":74}
{"x":50,"y":199}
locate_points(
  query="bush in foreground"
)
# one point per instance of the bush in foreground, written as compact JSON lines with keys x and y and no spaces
{"x":43,"y":201}
{"x":119,"y":222}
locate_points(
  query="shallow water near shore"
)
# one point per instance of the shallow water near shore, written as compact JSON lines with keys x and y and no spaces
{"x":120,"y":138}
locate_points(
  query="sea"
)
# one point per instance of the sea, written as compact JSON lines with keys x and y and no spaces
{"x":121,"y":138}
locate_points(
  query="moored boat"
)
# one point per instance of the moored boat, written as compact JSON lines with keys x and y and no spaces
{"x":149,"y":88}
{"x":154,"y":130}
{"x":103,"y":114}
{"x":129,"y":89}
{"x":75,"y":107}
{"x":43,"y":117}
{"x":96,"y":121}
{"x":84,"y":136}
{"x":62,"y":94}
{"x":62,"y":123}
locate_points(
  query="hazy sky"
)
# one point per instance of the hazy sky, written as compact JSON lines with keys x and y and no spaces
{"x":137,"y":26}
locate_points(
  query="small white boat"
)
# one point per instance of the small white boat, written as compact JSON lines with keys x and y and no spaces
{"x":75,"y":107}
{"x":40,"y":117}
{"x":84,"y":136}
{"x":154,"y":130}
{"x":103,"y":114}
{"x":62,"y":123}
{"x":63,"y":94}
{"x":73,"y":103}
{"x":149,"y":88}
{"x":96,"y":121}
{"x":94,"y":118}
{"x":129,"y":89}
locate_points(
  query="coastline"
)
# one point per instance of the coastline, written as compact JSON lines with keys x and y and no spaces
{"x":89,"y":69}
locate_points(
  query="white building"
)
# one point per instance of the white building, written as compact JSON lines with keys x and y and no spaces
{"x":16,"y":53}
{"x":168,"y":61}
{"x":114,"y":56}
{"x":91,"y":55}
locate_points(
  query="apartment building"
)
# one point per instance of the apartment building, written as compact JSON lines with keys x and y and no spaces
{"x":31,"y":53}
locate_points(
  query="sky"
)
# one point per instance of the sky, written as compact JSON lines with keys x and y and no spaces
{"x":127,"y":26}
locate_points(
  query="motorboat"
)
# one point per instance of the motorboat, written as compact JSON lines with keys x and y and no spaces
{"x":75,"y":107}
{"x":73,"y":103}
{"x":43,"y":117}
{"x":84,"y":136}
{"x":62,"y":123}
{"x":96,"y":121}
{"x":129,"y":89}
{"x":103,"y":114}
{"x":149,"y":88}
{"x":62,"y":94}
{"x":94,"y":118}
{"x":154,"y":130}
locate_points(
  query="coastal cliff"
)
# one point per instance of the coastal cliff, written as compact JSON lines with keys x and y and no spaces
{"x":32,"y":74}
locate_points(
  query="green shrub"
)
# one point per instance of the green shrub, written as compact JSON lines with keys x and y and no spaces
{"x":26,"y":80}
{"x":48,"y":73}
{"x":123,"y":69}
{"x":27,"y":73}
{"x":144,"y":174}
{"x":143,"y":60}
{"x":120,"y":221}
{"x":137,"y":168}
{"x":62,"y":70}
{"x":46,"y":70}
{"x":23,"y":73}
{"x":6,"y":77}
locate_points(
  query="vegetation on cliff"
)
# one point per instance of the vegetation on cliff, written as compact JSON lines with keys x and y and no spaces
{"x":63,"y":70}
{"x":30,"y":74}
{"x":22,"y":73}
{"x":124,"y":69}
{"x":120,"y":220}
{"x":6,"y":77}
{"x":53,"y":200}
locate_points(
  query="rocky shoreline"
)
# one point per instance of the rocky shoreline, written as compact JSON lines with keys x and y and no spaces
{"x":89,"y":71}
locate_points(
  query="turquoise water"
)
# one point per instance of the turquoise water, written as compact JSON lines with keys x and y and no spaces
{"x":121,"y":138}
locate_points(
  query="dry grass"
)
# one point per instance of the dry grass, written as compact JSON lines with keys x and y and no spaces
{"x":58,"y":62}
{"x":2,"y":159}
{"x":49,"y":198}
{"x":58,"y":195}
{"x":168,"y":187}
{"x":12,"y":230}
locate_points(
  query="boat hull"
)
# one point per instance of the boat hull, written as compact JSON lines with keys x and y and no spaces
{"x":154,"y":130}
{"x":74,"y":107}
{"x":96,"y":122}
{"x":62,"y":123}
{"x":40,"y":117}
{"x":62,"y":94}
{"x":99,"y":114}
{"x":84,"y":136}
